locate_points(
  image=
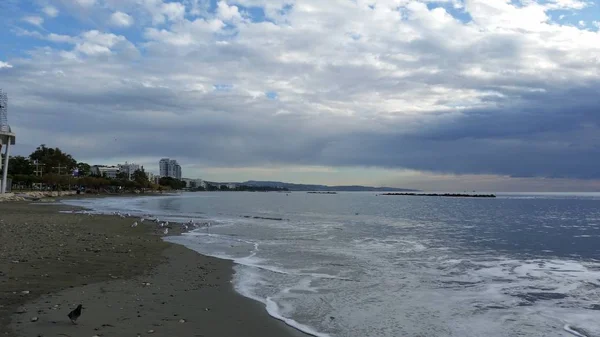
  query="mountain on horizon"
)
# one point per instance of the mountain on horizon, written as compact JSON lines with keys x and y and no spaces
{"x":325,"y":188}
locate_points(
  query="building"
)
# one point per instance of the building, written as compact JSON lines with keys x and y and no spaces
{"x":150,"y":176}
{"x":163,"y":167}
{"x":169,"y":168}
{"x":194,"y":183}
{"x":128,"y":169}
{"x":176,"y":170}
{"x":105,"y":171}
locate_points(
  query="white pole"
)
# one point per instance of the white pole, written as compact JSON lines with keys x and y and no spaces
{"x":5,"y":171}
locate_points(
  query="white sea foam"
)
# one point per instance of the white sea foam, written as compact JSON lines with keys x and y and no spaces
{"x":273,"y":310}
{"x":246,"y":281}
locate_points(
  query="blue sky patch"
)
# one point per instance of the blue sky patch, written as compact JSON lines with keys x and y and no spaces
{"x":272,"y":95}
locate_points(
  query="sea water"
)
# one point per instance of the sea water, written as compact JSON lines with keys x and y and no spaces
{"x":362,"y":264}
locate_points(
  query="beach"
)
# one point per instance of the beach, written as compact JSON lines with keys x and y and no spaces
{"x":129,"y":281}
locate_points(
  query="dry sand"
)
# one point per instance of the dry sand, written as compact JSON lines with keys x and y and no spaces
{"x":129,"y":281}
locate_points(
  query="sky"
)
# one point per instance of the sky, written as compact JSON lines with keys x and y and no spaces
{"x":487,"y":95}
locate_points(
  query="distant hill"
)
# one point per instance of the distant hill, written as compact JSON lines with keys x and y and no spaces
{"x":304,"y":187}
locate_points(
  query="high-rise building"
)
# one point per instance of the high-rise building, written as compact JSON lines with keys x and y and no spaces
{"x":169,"y":168}
{"x":163,"y":166}
{"x":128,"y":169}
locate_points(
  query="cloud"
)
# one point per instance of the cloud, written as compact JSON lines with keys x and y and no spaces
{"x":85,"y":3}
{"x":34,"y":20}
{"x":120,"y":19}
{"x":387,"y":84}
{"x":5,"y":65}
{"x":227,"y":12}
{"x":50,"y":11}
{"x":93,"y":42}
{"x":58,"y":38}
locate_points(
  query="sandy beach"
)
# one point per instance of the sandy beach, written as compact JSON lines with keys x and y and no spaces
{"x":129,"y":281}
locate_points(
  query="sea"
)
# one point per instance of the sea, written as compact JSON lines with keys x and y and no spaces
{"x":361,"y":264}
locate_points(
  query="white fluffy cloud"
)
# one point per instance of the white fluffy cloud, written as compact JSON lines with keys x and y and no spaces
{"x":385,"y":83}
{"x":85,"y":3}
{"x":5,"y":65}
{"x":94,"y":43}
{"x":567,"y":4}
{"x":120,"y":19}
{"x":34,"y":20}
{"x":227,"y":12}
{"x":50,"y":11}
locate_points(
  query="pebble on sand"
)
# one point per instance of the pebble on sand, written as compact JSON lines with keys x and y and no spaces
{"x":150,"y":331}
{"x":182,"y":321}
{"x":34,"y":319}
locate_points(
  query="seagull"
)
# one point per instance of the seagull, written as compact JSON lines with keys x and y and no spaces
{"x":185,"y":227}
{"x":166,"y":223}
{"x":161,"y":225}
{"x":156,"y":220}
{"x":142,"y":220}
{"x":134,"y":224}
{"x":166,"y":231}
{"x":74,"y":315}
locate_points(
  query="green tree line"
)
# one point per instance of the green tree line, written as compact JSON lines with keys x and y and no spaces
{"x":54,"y":169}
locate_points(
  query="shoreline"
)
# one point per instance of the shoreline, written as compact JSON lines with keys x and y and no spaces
{"x":129,"y":280}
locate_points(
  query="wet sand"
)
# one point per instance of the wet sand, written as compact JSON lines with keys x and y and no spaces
{"x":129,"y":281}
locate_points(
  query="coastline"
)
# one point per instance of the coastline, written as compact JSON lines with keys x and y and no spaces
{"x":129,"y":280}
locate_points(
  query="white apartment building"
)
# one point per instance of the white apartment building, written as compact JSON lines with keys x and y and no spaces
{"x":163,"y":167}
{"x":194,"y":183}
{"x":169,"y":168}
{"x":128,"y":169}
{"x":105,"y":171}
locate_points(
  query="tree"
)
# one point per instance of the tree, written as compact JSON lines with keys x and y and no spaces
{"x":84,"y":169}
{"x":173,"y":183}
{"x":19,"y":165}
{"x":141,"y":178}
{"x":223,"y":188}
{"x":53,"y":180}
{"x":22,"y":180}
{"x":122,"y":176}
{"x":53,"y":158}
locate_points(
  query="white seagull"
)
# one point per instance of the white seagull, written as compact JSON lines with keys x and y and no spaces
{"x":166,"y":231}
{"x":134,"y":224}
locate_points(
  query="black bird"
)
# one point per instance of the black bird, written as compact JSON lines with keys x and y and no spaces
{"x":74,"y":315}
